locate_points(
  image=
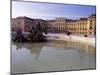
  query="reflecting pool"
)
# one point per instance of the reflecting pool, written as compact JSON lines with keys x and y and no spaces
{"x":52,"y":56}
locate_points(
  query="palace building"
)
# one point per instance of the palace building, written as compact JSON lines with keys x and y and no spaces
{"x":82,"y":26}
{"x":26,"y":23}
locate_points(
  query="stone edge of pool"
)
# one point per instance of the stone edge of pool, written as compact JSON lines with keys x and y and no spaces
{"x":64,"y":37}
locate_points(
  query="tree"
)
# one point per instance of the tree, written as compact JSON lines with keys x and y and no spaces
{"x":68,"y":33}
{"x":85,"y":35}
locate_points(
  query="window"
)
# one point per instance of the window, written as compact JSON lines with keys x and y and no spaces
{"x":90,"y":32}
{"x":91,"y":27}
{"x":91,"y":22}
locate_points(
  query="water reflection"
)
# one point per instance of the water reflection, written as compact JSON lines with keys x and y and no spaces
{"x":52,"y":56}
{"x":33,"y":48}
{"x":81,"y":46}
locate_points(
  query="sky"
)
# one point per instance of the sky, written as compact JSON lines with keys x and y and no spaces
{"x":48,"y":11}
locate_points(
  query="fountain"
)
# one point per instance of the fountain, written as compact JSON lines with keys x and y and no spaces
{"x":35,"y":35}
